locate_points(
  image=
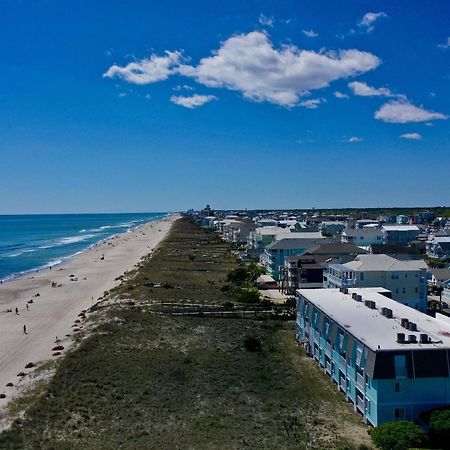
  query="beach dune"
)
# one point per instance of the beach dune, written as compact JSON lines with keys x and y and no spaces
{"x":53,"y":310}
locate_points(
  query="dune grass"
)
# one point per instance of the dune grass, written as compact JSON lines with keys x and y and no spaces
{"x":146,"y":380}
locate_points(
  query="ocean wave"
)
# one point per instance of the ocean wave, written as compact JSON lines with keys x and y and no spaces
{"x":27,"y":250}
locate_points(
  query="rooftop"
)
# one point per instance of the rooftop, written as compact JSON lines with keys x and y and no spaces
{"x":400,"y":228}
{"x":368,"y":263}
{"x":370,"y":326}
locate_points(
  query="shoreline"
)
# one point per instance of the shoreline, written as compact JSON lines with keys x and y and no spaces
{"x":63,"y":259}
{"x":48,"y":302}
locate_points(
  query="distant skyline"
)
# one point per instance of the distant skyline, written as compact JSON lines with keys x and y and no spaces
{"x":165,"y":106}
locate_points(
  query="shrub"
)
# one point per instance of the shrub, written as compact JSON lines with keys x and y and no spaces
{"x":440,"y":420}
{"x":400,"y":435}
{"x":252,"y":344}
{"x":246,"y":295}
{"x":440,"y":427}
{"x":238,"y":275}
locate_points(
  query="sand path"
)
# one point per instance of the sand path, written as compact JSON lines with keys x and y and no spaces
{"x":54,"y":311}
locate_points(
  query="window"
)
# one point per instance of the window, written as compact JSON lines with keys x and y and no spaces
{"x":400,"y":366}
{"x":406,"y":274}
{"x":359,"y":353}
{"x":361,"y":276}
{"x":396,"y":290}
{"x":404,"y":290}
{"x":416,"y":290}
{"x":397,"y":387}
{"x":341,"y":342}
{"x":399,"y":413}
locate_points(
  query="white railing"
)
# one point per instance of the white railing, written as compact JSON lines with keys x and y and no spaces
{"x":359,"y":379}
{"x":360,"y":404}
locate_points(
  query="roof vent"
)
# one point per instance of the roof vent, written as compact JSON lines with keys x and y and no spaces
{"x":358,"y":298}
{"x":401,"y":338}
{"x":412,"y":338}
{"x":354,"y":295}
{"x":370,"y":304}
{"x":404,"y":322}
{"x":345,"y":291}
{"x":383,"y":311}
{"x":412,"y":326}
{"x":388,"y":313}
{"x":423,"y":338}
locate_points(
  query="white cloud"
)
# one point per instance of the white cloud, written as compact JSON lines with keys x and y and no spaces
{"x":338,"y":94}
{"x":249,"y":63}
{"x":122,"y":94}
{"x":364,"y":90}
{"x":310,"y":33}
{"x":147,"y":97}
{"x":149,"y":70}
{"x":193,"y":101}
{"x":312,"y":103}
{"x":402,"y":111}
{"x":183,"y":87}
{"x":354,"y":139}
{"x":369,"y":19}
{"x":413,"y":136}
{"x":446,"y":44}
{"x":265,"y":21}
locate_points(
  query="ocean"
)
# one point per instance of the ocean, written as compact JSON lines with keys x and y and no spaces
{"x":32,"y":242}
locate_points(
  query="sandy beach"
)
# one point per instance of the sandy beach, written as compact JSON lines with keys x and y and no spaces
{"x":52,"y":313}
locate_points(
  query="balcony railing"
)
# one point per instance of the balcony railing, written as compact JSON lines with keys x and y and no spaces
{"x":342,"y":361}
{"x":328,"y":367}
{"x":328,"y":348}
{"x":360,"y":404}
{"x":359,"y":380}
{"x":316,"y":335}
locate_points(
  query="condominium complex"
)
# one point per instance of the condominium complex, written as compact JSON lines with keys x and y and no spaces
{"x":390,"y":361}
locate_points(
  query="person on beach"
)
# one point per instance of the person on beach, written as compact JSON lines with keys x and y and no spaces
{"x":25,"y":329}
{"x":27,"y":306}
{"x":17,"y":310}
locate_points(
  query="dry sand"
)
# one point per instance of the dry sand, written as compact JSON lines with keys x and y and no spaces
{"x":54,"y":311}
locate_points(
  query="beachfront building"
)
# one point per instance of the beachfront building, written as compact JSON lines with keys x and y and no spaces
{"x":439,"y":247}
{"x":330,"y":228}
{"x":407,"y":280}
{"x":301,"y":271}
{"x":399,"y":234}
{"x":362,"y":237}
{"x":274,"y":254}
{"x":390,"y":361}
{"x":402,"y":219}
{"x":446,"y":292}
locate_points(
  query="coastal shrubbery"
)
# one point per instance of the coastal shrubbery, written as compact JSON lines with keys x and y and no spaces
{"x":400,"y":435}
{"x":242,"y":287}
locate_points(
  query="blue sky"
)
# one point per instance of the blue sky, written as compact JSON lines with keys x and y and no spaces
{"x":150,"y":106}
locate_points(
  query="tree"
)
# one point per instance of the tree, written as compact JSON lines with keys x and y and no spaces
{"x":440,"y":427}
{"x":400,"y":435}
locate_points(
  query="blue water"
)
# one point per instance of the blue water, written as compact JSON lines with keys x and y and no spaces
{"x":30,"y":242}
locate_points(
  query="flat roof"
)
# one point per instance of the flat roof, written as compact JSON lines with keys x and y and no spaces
{"x":370,"y":326}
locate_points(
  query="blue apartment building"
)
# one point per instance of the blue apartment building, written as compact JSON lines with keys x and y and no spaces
{"x":391,"y":362}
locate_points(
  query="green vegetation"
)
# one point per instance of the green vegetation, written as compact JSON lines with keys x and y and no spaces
{"x":401,"y":435}
{"x":145,"y":378}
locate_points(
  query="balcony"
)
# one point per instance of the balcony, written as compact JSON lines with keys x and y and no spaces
{"x":328,"y":367}
{"x":343,"y":385}
{"x":316,"y":335}
{"x":360,"y":404}
{"x":342,"y":361}
{"x":359,"y":380}
{"x":328,"y":348}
